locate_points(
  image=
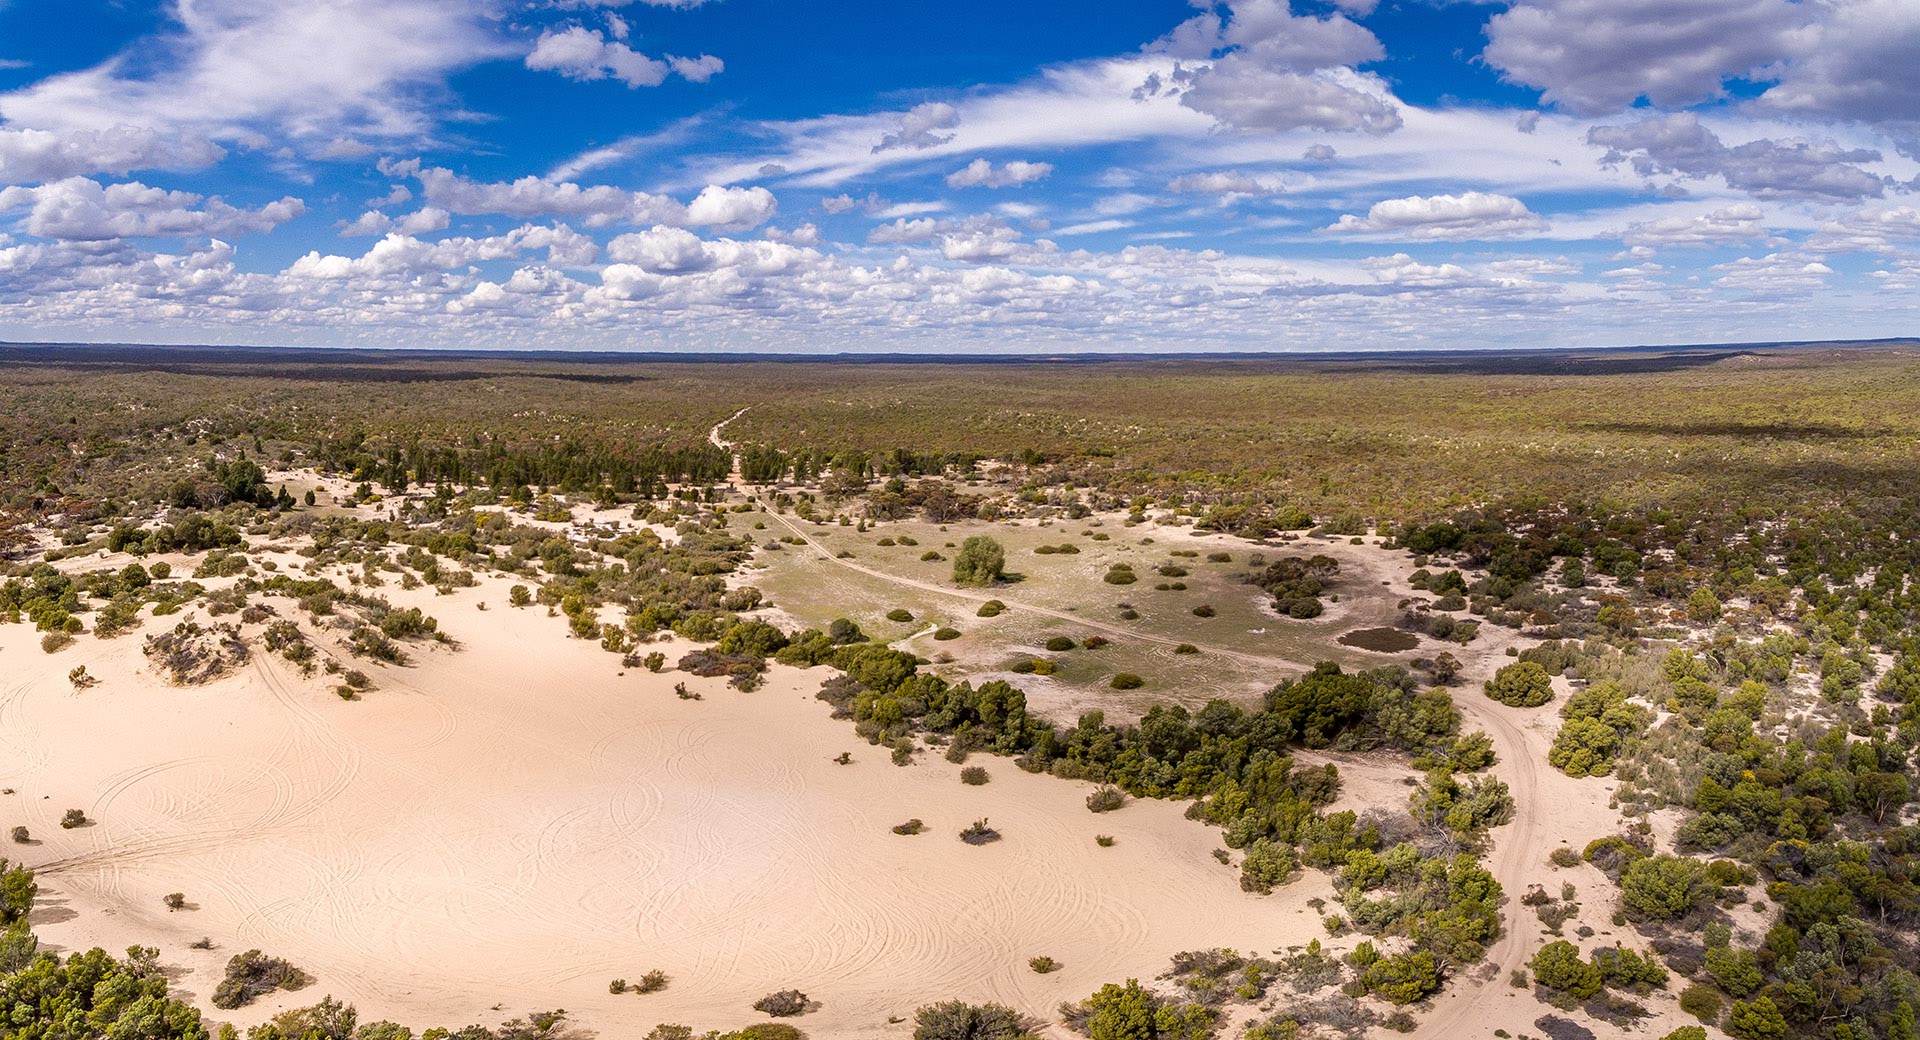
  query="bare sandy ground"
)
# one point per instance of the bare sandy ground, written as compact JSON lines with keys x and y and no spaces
{"x":511,"y":826}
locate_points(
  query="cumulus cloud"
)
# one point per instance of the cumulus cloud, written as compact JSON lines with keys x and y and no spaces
{"x":921,"y":127}
{"x":1260,"y":67}
{"x":583,"y":54}
{"x":1680,"y":144}
{"x":82,"y":210}
{"x":1594,"y":57}
{"x":1867,"y":231}
{"x":1774,"y":273}
{"x":982,"y":174}
{"x":373,"y":222}
{"x":1470,"y":216}
{"x":728,"y":208}
{"x":32,"y":156}
{"x":1732,"y":225}
{"x":903,"y":231}
{"x":1857,"y":63}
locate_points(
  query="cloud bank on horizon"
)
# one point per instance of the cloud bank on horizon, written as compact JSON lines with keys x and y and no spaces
{"x":991,"y":176}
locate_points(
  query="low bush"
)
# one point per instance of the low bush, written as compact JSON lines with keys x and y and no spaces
{"x":1106,"y":798}
{"x":1058,"y":644}
{"x":253,"y":974}
{"x":73,"y":818}
{"x":1126,"y":681}
{"x":783,"y":1004}
{"x":944,"y":634}
{"x":900,"y":614}
{"x":1043,"y":965}
{"x":979,"y":832}
{"x":991,"y":608}
{"x":913,"y":826}
{"x":974,"y":776}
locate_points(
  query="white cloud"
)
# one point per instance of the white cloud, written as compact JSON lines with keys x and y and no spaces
{"x":1598,"y":56}
{"x":1773,"y":273}
{"x":1264,"y":68}
{"x":1734,"y":224}
{"x":980,"y":246}
{"x":583,"y":54}
{"x":729,"y":208}
{"x":1470,"y":216}
{"x":1093,"y":227}
{"x":30,"y":156}
{"x":1867,"y":231}
{"x":920,"y":127}
{"x":1680,"y":144}
{"x":1223,"y":183}
{"x":982,"y":174}
{"x":903,"y":231}
{"x":81,"y":210}
{"x":1857,"y":63}
{"x":316,"y":71}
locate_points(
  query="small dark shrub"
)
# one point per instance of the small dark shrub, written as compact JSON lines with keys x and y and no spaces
{"x":974,"y":776}
{"x":979,"y":833}
{"x":1126,"y":681}
{"x":785,"y":1003}
{"x":913,"y":826}
{"x":73,"y":818}
{"x":1106,"y":799}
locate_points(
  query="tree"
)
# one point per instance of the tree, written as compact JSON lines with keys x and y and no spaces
{"x":957,"y":1020}
{"x":979,"y":562}
{"x":1523,"y":684}
{"x":17,"y":890}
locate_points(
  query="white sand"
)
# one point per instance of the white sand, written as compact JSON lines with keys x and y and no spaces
{"x":513,"y":825}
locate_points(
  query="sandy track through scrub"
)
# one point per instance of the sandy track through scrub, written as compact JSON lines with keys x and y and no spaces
{"x":1519,"y":848}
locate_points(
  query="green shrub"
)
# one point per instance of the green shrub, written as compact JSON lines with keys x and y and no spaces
{"x":1522,"y":684}
{"x":1043,"y":965}
{"x":979,"y":562}
{"x":1559,"y":966}
{"x":991,"y":608}
{"x":1267,"y":864}
{"x":974,"y":776}
{"x":913,"y":826}
{"x":1058,"y":644}
{"x":956,"y":1020}
{"x":1702,"y":1002}
{"x":944,"y":634}
{"x":1126,"y":681}
{"x":1106,"y":798}
{"x":900,"y":614}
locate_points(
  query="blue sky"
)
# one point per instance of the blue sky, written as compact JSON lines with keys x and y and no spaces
{"x":729,"y":175}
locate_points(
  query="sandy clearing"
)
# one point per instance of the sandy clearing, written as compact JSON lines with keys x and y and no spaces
{"x":515,"y":825}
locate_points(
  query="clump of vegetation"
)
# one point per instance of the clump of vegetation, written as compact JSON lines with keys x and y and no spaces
{"x":1043,"y":965}
{"x":991,"y":608}
{"x":943,"y":634}
{"x":74,"y":818}
{"x":1523,"y":684}
{"x":974,"y":776}
{"x":979,"y":832}
{"x":956,"y":1020}
{"x":783,"y":1003}
{"x":979,"y":563}
{"x":913,"y":826}
{"x":252,"y":975}
{"x":900,"y":614}
{"x":1106,"y":798}
{"x":1126,"y":681}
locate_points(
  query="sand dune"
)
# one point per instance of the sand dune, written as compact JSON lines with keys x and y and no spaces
{"x":515,"y":824}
